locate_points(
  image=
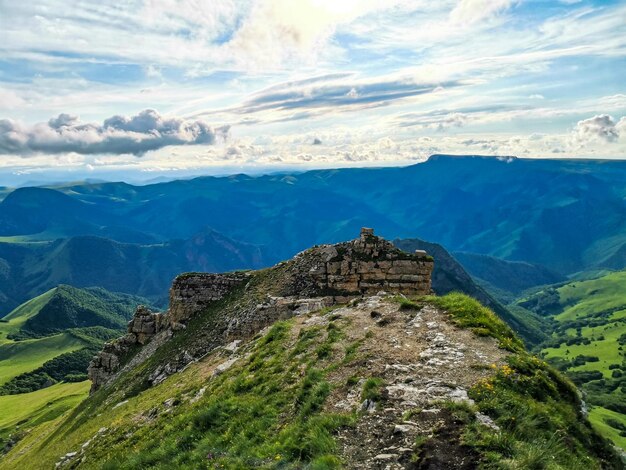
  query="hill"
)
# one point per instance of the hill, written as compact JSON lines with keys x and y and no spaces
{"x":509,"y":277}
{"x":567,"y":215}
{"x":309,"y":364}
{"x":45,"y":348}
{"x":66,"y":307}
{"x":146,"y":270}
{"x":588,"y":343}
{"x":53,"y":336}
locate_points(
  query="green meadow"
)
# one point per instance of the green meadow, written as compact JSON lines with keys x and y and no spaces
{"x":588,"y":344}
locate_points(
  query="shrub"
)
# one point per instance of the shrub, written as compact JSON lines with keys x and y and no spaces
{"x":372,"y":389}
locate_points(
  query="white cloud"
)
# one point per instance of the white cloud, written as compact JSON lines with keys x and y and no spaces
{"x":600,"y":127}
{"x":276,"y":31}
{"x":473,"y":11}
{"x":136,"y":135}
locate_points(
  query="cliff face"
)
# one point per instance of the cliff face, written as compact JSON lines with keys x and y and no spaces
{"x":193,"y":292}
{"x":319,"y":277}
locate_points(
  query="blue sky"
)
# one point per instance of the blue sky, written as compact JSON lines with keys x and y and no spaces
{"x":150,"y":87}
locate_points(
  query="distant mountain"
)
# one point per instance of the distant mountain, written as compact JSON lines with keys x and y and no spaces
{"x":511,"y":276}
{"x":567,"y":215}
{"x":449,"y":276}
{"x":29,"y":269}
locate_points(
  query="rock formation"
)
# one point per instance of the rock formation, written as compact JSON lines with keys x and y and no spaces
{"x":319,"y":277}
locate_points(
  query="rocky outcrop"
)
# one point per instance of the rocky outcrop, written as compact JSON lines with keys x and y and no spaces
{"x":316,"y":278}
{"x":144,"y":325}
{"x":370,"y":264}
{"x":193,"y":292}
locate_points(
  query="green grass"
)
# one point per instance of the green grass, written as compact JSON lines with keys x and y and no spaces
{"x":584,"y":298}
{"x":467,"y":312}
{"x":31,"y":409}
{"x":24,"y":356}
{"x":599,"y":416}
{"x":270,"y":409}
{"x":372,"y":389}
{"x":537,"y":411}
{"x":263,"y":412}
{"x":606,"y":350}
{"x":12,"y":322}
{"x":591,"y":316}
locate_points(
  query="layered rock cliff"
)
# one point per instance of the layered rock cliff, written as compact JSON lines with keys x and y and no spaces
{"x":319,"y":277}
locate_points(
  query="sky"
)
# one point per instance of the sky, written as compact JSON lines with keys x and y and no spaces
{"x":141,"y":89}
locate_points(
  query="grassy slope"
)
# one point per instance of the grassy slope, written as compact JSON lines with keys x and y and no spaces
{"x":25,"y":356}
{"x":70,"y":307}
{"x":580,"y":301}
{"x":19,"y":357}
{"x":35,"y":408}
{"x":268,"y":409}
{"x":13,"y":321}
{"x":56,"y":311}
{"x":584,"y":298}
{"x":598,"y":417}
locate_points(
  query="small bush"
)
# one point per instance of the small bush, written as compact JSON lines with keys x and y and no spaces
{"x":372,"y":389}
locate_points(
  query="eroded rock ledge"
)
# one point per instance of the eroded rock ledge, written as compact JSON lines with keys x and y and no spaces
{"x":319,"y":277}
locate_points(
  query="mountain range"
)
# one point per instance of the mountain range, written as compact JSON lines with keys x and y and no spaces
{"x":565,"y":215}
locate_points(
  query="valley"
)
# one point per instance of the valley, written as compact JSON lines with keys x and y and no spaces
{"x":588,"y":343}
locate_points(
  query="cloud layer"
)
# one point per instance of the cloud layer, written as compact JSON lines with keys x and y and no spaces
{"x":136,"y":135}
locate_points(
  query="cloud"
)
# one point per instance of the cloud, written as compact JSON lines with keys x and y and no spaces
{"x":335,"y":93}
{"x":275,"y":31}
{"x":136,"y":135}
{"x":600,"y":127}
{"x":473,"y":11}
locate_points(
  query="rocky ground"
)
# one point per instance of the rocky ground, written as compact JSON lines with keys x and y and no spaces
{"x":423,"y":360}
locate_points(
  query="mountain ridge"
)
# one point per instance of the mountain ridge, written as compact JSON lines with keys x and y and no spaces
{"x":337,"y":358}
{"x":575,"y":221}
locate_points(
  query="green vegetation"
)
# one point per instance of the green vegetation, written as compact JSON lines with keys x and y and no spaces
{"x":272,"y":408}
{"x":25,"y":411}
{"x":69,"y":307}
{"x":262,"y":412}
{"x":372,"y":389}
{"x":52,"y":337}
{"x":537,"y":409}
{"x":469,"y":313}
{"x":67,"y":367}
{"x":14,"y":321}
{"x":20,"y":357}
{"x":589,"y":320}
{"x":538,"y":412}
{"x":45,"y":347}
